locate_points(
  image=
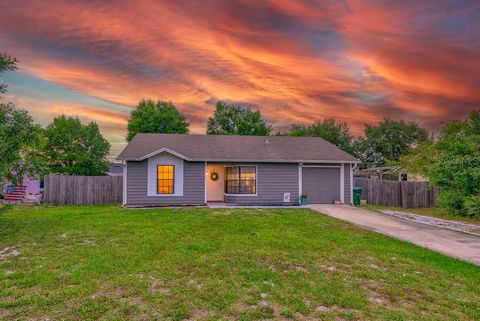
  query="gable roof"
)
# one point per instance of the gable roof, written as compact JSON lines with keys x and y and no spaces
{"x":235,"y":148}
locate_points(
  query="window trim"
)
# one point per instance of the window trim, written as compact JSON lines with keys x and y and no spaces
{"x":173,"y":180}
{"x":256,"y":180}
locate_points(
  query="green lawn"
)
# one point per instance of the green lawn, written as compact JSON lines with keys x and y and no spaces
{"x":108,"y":263}
{"x":433,"y":212}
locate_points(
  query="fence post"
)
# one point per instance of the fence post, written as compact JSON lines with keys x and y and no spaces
{"x":404,"y":194}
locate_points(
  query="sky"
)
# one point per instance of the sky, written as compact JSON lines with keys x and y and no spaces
{"x":295,"y":61}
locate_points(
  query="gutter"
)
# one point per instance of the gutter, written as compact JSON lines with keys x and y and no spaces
{"x":257,"y":160}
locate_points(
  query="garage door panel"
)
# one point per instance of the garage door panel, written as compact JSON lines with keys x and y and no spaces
{"x":322,"y":185}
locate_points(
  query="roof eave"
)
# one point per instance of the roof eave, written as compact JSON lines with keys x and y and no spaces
{"x":249,"y":160}
{"x":278,"y":160}
{"x":158,"y":151}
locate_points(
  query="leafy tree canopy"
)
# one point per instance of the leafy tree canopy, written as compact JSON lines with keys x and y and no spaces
{"x":75,"y":149}
{"x":388,"y":140}
{"x":452,"y":162}
{"x":156,"y":117}
{"x":6,"y":63}
{"x":337,"y":133}
{"x":231,"y":119}
{"x":20,"y":144}
{"x":20,"y":138}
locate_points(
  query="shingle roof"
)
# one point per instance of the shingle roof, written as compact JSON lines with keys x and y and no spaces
{"x":235,"y":148}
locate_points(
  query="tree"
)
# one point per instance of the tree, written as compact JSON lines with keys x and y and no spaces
{"x":20,"y":138}
{"x":231,"y":119}
{"x":337,"y":133}
{"x":366,"y":152}
{"x":156,"y":117}
{"x":20,"y":144}
{"x":388,"y":140}
{"x":6,"y":63}
{"x":452,"y":162}
{"x":75,"y":149}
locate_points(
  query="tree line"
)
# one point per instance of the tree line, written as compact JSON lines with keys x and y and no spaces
{"x":381,"y":144}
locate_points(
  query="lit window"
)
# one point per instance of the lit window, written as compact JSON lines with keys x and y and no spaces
{"x":165,"y":179}
{"x":241,"y":180}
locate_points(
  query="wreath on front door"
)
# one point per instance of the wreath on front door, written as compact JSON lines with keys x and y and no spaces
{"x":214,"y":176}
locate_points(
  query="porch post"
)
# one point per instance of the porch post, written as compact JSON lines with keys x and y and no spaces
{"x":205,"y":182}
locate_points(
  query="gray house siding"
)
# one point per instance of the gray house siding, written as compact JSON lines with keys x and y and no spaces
{"x":273,"y":179}
{"x":193,"y":186}
{"x":347,"y":185}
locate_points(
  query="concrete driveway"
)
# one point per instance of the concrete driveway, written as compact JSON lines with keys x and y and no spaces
{"x":462,"y":246}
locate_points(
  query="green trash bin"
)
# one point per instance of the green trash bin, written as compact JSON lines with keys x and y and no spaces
{"x":357,"y":195}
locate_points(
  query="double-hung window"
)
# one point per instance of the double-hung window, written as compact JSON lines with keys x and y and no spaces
{"x":241,"y":180}
{"x":165,"y":179}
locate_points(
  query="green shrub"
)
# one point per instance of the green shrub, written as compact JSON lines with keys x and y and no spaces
{"x":472,"y":205}
{"x":452,"y":201}
{"x":452,"y":163}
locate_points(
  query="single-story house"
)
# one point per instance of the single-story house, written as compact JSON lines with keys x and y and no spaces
{"x":176,"y":169}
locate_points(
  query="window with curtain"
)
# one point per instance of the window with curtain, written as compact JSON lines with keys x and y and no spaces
{"x":241,"y":180}
{"x":165,"y":179}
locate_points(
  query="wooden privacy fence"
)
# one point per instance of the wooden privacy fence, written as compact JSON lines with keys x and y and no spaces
{"x":82,"y":190}
{"x":395,"y":193}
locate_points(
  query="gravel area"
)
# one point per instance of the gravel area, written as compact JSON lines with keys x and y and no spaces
{"x":438,"y":222}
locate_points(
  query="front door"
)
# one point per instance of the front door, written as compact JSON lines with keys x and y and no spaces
{"x":215,"y":187}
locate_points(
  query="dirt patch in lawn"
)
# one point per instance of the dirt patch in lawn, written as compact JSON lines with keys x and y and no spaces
{"x":200,"y":315}
{"x":375,"y":296}
{"x":328,"y":266}
{"x":3,"y":313}
{"x":8,"y":252}
{"x":301,"y":269}
{"x":137,"y":301}
{"x":274,"y":311}
{"x":378,"y":298}
{"x":335,"y":308}
{"x":87,"y":242}
{"x":158,"y":285}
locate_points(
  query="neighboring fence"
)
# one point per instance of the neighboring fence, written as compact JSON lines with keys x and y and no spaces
{"x":395,"y":193}
{"x":82,"y":190}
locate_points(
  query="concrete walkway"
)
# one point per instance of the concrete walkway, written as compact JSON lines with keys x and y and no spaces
{"x":459,"y":245}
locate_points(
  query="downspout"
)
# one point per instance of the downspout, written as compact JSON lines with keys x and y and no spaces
{"x":124,"y":194}
{"x":300,"y":178}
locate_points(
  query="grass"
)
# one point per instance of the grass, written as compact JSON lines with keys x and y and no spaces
{"x":108,"y":263}
{"x":433,"y":212}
